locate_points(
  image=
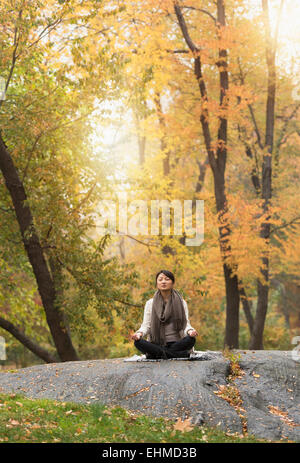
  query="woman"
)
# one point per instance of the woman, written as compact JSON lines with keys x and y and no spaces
{"x":166,"y":322}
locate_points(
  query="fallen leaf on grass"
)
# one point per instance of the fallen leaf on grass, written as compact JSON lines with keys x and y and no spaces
{"x":14,"y":422}
{"x":35,"y":426}
{"x":183,"y":425}
{"x":70,"y":412}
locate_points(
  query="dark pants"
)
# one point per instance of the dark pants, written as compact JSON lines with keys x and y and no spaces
{"x":174,"y":349}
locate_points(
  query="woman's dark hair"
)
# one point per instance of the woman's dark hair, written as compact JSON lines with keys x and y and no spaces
{"x":167,"y":273}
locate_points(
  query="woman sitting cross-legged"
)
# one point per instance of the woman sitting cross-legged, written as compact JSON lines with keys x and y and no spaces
{"x":166,"y":322}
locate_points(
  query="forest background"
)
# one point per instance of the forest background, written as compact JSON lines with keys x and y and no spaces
{"x":159,"y":100}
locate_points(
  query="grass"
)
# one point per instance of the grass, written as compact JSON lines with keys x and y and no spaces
{"x":30,"y":420}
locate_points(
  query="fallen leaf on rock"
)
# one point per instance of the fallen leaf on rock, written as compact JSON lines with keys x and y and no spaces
{"x":282,"y":415}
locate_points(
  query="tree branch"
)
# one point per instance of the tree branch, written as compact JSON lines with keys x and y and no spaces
{"x":27,"y":342}
{"x":46,"y":31}
{"x":88,"y":283}
{"x":256,"y":129}
{"x":284,"y":129}
{"x":184,"y":29}
{"x":14,"y":56}
{"x":142,"y":242}
{"x":84,"y":199}
{"x":286,"y":224}
{"x":202,"y":11}
{"x":177,"y":51}
{"x":204,"y":117}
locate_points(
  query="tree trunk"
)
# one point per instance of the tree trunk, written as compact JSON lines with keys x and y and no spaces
{"x":218,"y":165}
{"x":36,"y":256}
{"x":141,"y":139}
{"x":246,"y":308}
{"x":256,"y":341}
{"x":163,"y":143}
{"x":231,"y":281}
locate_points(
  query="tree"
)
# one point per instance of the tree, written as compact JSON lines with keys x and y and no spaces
{"x":160,"y":47}
{"x":256,"y":341}
{"x":217,"y":159}
{"x":45,"y":163}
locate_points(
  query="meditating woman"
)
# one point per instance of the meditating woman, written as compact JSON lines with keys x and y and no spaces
{"x":166,"y":323}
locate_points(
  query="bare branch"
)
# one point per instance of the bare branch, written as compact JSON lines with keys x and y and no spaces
{"x":242,"y":79}
{"x":4,"y":209}
{"x":30,"y":156}
{"x":84,"y":199}
{"x":177,"y":51}
{"x":284,"y":129}
{"x":128,"y":303}
{"x":295,"y":221}
{"x":46,"y":31}
{"x":142,"y":242}
{"x":202,"y":11}
{"x":14,"y":56}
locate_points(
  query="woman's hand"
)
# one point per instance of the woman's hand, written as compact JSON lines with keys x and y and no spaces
{"x":192,"y":333}
{"x":136,"y":336}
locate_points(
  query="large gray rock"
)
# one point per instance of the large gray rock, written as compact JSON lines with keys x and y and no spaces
{"x":270,"y":390}
{"x":172,"y":389}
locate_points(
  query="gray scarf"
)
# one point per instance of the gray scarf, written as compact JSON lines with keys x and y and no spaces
{"x":174,"y":308}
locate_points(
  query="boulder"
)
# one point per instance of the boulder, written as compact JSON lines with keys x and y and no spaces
{"x":269,"y":388}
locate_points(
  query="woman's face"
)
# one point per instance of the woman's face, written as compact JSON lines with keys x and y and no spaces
{"x":163,"y":282}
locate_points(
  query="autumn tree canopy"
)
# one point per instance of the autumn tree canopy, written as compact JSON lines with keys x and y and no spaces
{"x":174,"y":100}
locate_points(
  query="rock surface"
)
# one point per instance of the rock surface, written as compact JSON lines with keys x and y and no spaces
{"x":269,"y":388}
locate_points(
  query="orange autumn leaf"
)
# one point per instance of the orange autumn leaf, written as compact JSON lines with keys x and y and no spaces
{"x":183,"y":425}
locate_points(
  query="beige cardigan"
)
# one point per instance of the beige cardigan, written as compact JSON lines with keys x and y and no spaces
{"x":145,"y":326}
